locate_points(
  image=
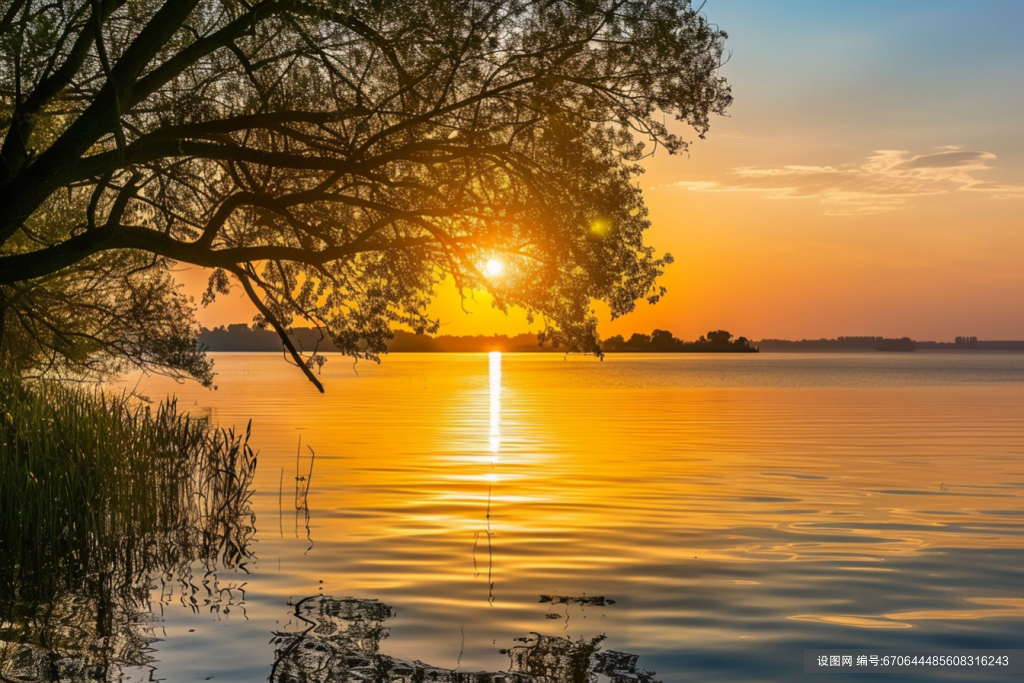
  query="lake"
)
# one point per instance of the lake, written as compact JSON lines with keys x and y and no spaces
{"x":711,"y":516}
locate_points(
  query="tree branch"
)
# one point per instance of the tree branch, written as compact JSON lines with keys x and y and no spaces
{"x":243,"y":278}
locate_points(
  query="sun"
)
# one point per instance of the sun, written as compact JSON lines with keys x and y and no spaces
{"x":494,"y":268}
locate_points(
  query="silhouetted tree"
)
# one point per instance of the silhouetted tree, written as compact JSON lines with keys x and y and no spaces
{"x":616,"y":343}
{"x":639,"y":342}
{"x":334,"y":158}
{"x":662,"y":340}
{"x":719,"y":337}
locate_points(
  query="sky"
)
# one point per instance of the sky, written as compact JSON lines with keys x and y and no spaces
{"x":868,"y":180}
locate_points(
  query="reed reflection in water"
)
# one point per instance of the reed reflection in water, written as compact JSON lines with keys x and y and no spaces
{"x":737,"y":509}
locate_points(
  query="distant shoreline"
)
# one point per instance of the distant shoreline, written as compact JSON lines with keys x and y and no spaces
{"x":549,"y":351}
{"x":242,"y":339}
{"x":689,"y":348}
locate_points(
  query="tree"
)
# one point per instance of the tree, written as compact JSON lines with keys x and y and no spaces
{"x":663,"y":340}
{"x":336,"y":159}
{"x":616,"y":343}
{"x":639,"y":342}
{"x":719,"y":337}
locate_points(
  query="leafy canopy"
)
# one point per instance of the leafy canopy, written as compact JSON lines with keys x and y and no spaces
{"x":336,"y":159}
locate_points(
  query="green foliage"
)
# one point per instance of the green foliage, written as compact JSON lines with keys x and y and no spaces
{"x":339,"y":158}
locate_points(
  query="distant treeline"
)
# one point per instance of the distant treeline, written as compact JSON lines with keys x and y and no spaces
{"x":662,"y":341}
{"x":841,"y":343}
{"x":887,"y":344}
{"x":241,"y":337}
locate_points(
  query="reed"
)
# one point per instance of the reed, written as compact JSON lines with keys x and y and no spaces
{"x":100,"y":492}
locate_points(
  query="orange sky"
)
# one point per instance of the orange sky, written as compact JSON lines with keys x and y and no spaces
{"x":869,"y":180}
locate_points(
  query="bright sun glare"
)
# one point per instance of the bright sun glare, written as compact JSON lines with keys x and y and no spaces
{"x":494,"y":268}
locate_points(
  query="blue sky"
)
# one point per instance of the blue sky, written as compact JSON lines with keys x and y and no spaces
{"x":881,"y":74}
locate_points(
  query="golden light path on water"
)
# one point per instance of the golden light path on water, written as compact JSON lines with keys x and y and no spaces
{"x":494,"y":358}
{"x":736,"y":509}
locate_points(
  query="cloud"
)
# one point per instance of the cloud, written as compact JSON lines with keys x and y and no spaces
{"x":886,"y":181}
{"x":961,"y":160}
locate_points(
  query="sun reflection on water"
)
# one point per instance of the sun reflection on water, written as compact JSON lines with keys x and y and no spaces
{"x":495,"y":375}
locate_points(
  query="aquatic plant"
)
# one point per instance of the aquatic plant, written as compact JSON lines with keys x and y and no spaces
{"x":99,"y":494}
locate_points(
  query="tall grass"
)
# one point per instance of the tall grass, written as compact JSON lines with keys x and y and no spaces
{"x":97,"y":494}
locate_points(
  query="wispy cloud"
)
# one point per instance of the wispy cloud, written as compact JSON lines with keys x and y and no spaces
{"x":886,"y":181}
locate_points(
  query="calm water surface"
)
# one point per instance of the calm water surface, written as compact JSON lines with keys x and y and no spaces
{"x":712,"y":515}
